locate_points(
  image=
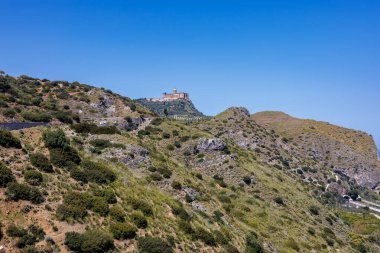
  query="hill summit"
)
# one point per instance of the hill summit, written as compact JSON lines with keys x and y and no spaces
{"x":171,"y":104}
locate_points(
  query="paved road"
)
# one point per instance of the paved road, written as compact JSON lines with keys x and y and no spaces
{"x":370,"y":208}
{"x":371,"y":203}
{"x":21,"y":125}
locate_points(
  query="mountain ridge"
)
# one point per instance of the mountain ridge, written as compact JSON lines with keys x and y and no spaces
{"x":110,"y":175}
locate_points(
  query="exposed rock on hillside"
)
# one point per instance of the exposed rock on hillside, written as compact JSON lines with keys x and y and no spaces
{"x":207,"y":145}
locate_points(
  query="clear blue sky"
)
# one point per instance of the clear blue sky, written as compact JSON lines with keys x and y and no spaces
{"x":312,"y":59}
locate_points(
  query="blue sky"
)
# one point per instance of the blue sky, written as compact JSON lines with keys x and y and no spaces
{"x":312,"y":59}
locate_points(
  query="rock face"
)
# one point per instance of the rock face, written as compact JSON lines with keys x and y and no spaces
{"x":209,"y":145}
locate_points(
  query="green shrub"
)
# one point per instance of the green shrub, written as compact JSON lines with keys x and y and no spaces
{"x":64,"y":117}
{"x":141,"y":205}
{"x":165,"y":172}
{"x":79,"y":175}
{"x":108,"y":194}
{"x":279,"y":201}
{"x":9,"y":112}
{"x":26,"y":237}
{"x":311,"y":231}
{"x":314,"y":210}
{"x":16,"y":191}
{"x":55,"y":139}
{"x":177,"y":144}
{"x":204,"y":236}
{"x":97,"y":172}
{"x":74,"y":241}
{"x":252,"y":244}
{"x":176,"y":185}
{"x":150,"y":244}
{"x":6,"y":175}
{"x":156,"y":176}
{"x":14,"y":231}
{"x":122,"y":231}
{"x":41,"y":162}
{"x":180,"y":212}
{"x":186,"y":227}
{"x":78,"y":199}
{"x":247,"y":180}
{"x":92,"y":241}
{"x":64,"y":157}
{"x":7,"y":140}
{"x":101,"y":144}
{"x":67,"y":212}
{"x":165,"y":135}
{"x":36,"y":116}
{"x":117,"y":213}
{"x":139,"y":219}
{"x":94,"y":129}
{"x":33,"y":177}
{"x":291,"y":243}
{"x":100,"y":206}
{"x":170,"y":147}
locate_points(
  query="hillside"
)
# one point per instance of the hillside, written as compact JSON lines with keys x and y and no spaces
{"x":109,"y":175}
{"x":351,"y":152}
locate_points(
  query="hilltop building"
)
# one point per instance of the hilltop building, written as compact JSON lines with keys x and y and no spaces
{"x":171,"y":96}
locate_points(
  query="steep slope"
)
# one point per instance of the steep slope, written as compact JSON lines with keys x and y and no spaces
{"x":224,"y":184}
{"x":180,"y":107}
{"x":350,"y":152}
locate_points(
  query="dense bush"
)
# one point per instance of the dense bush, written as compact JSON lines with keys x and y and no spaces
{"x":6,"y":175}
{"x":97,"y":172}
{"x":16,"y":191}
{"x":26,"y":237}
{"x":64,"y":117}
{"x":247,"y":180}
{"x":153,"y":245}
{"x":55,"y":139}
{"x":122,"y":231}
{"x":314,"y":210}
{"x":139,"y":219}
{"x":101,"y":144}
{"x":165,"y":135}
{"x":92,"y":241}
{"x":9,"y":112}
{"x":7,"y":140}
{"x":33,"y":177}
{"x":94,"y":129}
{"x":108,"y":194}
{"x":279,"y":200}
{"x":41,"y":162}
{"x":78,"y":174}
{"x":74,"y":240}
{"x":176,"y":185}
{"x":252,"y":244}
{"x":180,"y":212}
{"x":100,"y":206}
{"x":205,"y":236}
{"x":141,"y":205}
{"x":117,"y":213}
{"x":67,"y":212}
{"x":64,"y":157}
{"x":36,"y":116}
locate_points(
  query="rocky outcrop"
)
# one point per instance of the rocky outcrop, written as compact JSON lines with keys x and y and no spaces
{"x":209,"y":145}
{"x":133,"y":156}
